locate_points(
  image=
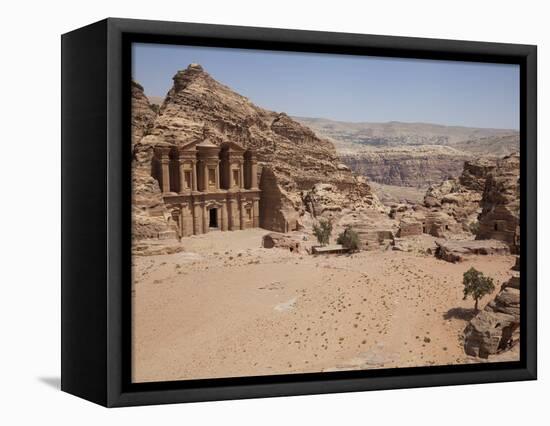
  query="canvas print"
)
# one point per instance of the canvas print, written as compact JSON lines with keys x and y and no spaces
{"x":302,"y":212}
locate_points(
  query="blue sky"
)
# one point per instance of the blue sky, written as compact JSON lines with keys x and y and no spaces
{"x":345,"y":87}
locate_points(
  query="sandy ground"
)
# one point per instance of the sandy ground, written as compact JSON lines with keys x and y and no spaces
{"x":227,"y":307}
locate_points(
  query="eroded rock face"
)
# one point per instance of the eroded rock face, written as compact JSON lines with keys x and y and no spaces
{"x":143,"y":114}
{"x":460,"y":198}
{"x":149,"y":216}
{"x":457,"y":251}
{"x":327,"y":200}
{"x":409,"y":227}
{"x":277,"y":240}
{"x":499,"y":218}
{"x":419,"y":166}
{"x":375,"y":229}
{"x":496,"y":327}
{"x":475,"y":174}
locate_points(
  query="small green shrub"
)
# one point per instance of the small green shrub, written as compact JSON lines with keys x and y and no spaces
{"x":477,"y":285}
{"x":474,"y":227}
{"x":349,"y":239}
{"x":322,"y":231}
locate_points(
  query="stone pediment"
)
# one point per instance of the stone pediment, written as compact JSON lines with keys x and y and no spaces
{"x":206,"y":143}
{"x":233,"y":147}
{"x":189,"y":146}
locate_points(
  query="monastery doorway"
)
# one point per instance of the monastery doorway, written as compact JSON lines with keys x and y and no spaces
{"x":213,"y":214}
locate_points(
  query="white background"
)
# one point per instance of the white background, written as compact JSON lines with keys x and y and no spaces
{"x":30,"y":211}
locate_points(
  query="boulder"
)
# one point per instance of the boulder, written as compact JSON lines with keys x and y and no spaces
{"x":489,"y":333}
{"x":284,"y":241}
{"x":408,"y":227}
{"x":457,"y":251}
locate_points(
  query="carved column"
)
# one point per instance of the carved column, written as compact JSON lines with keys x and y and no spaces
{"x":251,"y":169}
{"x":182,"y":174}
{"x":223,"y":216}
{"x":194,"y":178}
{"x":242,"y":213}
{"x":232,"y":207}
{"x":204,"y":218}
{"x":164,"y":159}
{"x":256,"y":213}
{"x":205,"y":176}
{"x":181,"y":224}
{"x":241,"y":173}
{"x":254,"y":174}
{"x":218,"y":175}
{"x":197,"y":219}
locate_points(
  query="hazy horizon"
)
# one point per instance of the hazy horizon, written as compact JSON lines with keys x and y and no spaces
{"x":355,"y":89}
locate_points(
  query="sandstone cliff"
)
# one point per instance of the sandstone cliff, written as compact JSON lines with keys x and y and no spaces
{"x":412,"y":154}
{"x":291,"y":157}
{"x":417,"y":166}
{"x":499,"y":218}
{"x":149,"y":216}
{"x":460,"y":198}
{"x":143,"y":114}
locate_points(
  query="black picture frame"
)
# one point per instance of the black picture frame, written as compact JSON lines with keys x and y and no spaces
{"x":96,"y":255}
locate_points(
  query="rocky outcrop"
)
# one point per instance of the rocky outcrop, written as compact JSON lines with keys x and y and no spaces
{"x":457,"y":251}
{"x":496,"y":327}
{"x":375,"y":229}
{"x":475,"y":174}
{"x":500,"y":203}
{"x":278,"y":208}
{"x":284,"y":241}
{"x":416,"y":166}
{"x":460,"y":198}
{"x":328,"y":200}
{"x":143,"y":114}
{"x":149,"y":216}
{"x":409,"y":227}
{"x":291,"y":157}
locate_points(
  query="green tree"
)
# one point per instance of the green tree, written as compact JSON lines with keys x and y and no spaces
{"x":477,"y":285}
{"x":349,"y":239}
{"x":322,"y":231}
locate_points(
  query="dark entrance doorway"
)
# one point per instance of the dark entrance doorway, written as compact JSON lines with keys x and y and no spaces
{"x":213,"y":218}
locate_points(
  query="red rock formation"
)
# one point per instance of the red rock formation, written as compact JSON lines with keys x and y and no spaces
{"x":460,"y":198}
{"x":499,"y":218}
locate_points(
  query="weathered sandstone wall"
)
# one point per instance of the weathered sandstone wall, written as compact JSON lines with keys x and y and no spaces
{"x":499,"y":218}
{"x":417,"y":166}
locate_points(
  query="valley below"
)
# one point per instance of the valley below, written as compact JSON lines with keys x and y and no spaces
{"x":412,"y":154}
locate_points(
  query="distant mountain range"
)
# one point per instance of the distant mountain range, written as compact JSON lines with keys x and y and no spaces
{"x":349,"y":137}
